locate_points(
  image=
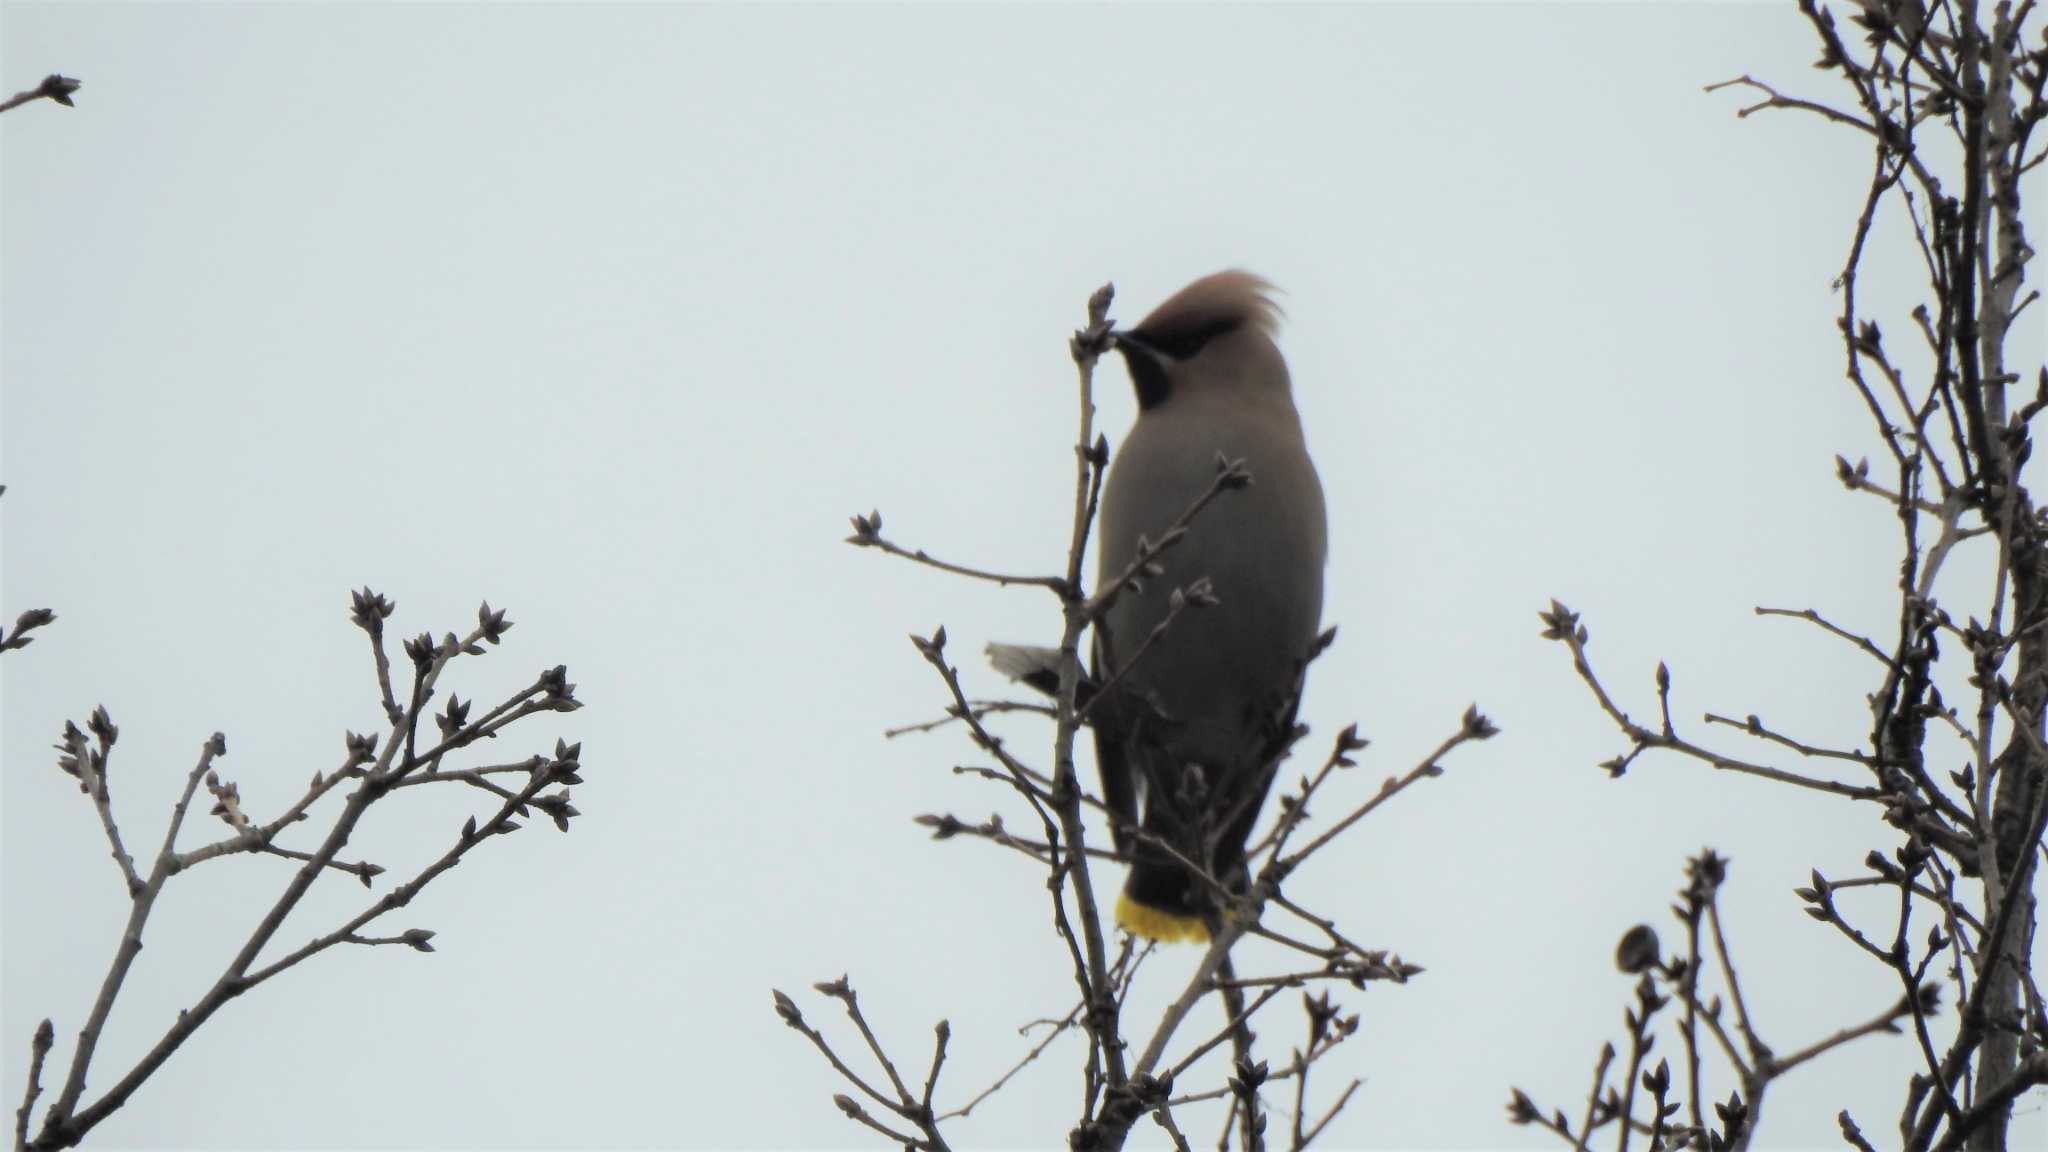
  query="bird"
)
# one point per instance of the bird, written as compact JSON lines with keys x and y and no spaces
{"x":1193,"y":721}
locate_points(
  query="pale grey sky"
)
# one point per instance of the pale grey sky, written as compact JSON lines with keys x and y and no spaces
{"x":612,"y":315}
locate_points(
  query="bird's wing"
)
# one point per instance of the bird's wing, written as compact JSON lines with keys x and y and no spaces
{"x":1119,"y":793}
{"x":1277,"y":736}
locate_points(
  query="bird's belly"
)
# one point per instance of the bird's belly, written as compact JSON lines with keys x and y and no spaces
{"x":1217,"y":672}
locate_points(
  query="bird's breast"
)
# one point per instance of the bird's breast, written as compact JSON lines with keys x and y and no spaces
{"x":1260,"y":547}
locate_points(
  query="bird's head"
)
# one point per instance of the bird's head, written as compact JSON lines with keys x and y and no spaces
{"x":1216,"y":333}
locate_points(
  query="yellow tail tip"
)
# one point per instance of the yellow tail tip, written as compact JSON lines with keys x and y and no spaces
{"x":1158,"y":924}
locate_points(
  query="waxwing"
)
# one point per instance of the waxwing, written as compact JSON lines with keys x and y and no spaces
{"x":1196,"y":721}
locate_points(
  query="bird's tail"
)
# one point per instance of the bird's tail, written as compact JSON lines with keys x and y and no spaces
{"x":1028,"y":664}
{"x":1037,"y":668}
{"x":1163,"y":900}
{"x":1165,"y":925}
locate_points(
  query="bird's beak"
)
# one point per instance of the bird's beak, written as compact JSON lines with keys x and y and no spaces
{"x":1127,"y":343}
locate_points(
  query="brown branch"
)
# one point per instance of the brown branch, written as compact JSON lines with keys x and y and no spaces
{"x":1605,"y":1061}
{"x":1562,"y":624}
{"x":1993,"y":1103}
{"x":1230,"y":1029}
{"x":867,"y":533}
{"x":1774,"y":99}
{"x":1230,"y":476}
{"x":1862,"y":643}
{"x":1092,"y":971}
{"x":141,"y":904}
{"x":1199,"y":984}
{"x":1296,"y":1067}
{"x":913,"y":1110}
{"x":946,"y":826}
{"x":1316,"y":1129}
{"x":24,"y":624}
{"x":1163,"y":1116}
{"x":369,"y":611}
{"x":1295,"y":809}
{"x":39,"y":1047}
{"x":1886,"y":1021}
{"x":1243,"y":913}
{"x":787,"y":1009}
{"x":1759,"y":1052}
{"x":1851,"y":1134}
{"x":1473,"y":727}
{"x":1058,"y":1029}
{"x":980,"y":709}
{"x":1757,"y":728}
{"x":69,"y":1119}
{"x":842,"y":991}
{"x":54,"y":88}
{"x":1857,"y":481}
{"x":1197,"y":593}
{"x":473,"y":834}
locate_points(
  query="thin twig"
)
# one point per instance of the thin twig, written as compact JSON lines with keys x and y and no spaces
{"x":53,"y":88}
{"x":38,"y":1048}
{"x":1058,"y":1029}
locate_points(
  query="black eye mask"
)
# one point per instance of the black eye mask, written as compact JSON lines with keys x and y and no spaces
{"x":1148,"y":374}
{"x":1182,"y":343}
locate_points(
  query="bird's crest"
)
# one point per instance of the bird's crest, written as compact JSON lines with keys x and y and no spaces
{"x":1224,"y":299}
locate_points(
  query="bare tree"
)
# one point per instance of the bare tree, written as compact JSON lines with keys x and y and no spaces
{"x":1949,"y":95}
{"x":374,"y":769}
{"x":1127,"y":1073}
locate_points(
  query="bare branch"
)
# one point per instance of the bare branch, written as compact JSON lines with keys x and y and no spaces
{"x":38,"y":1048}
{"x":55,"y":88}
